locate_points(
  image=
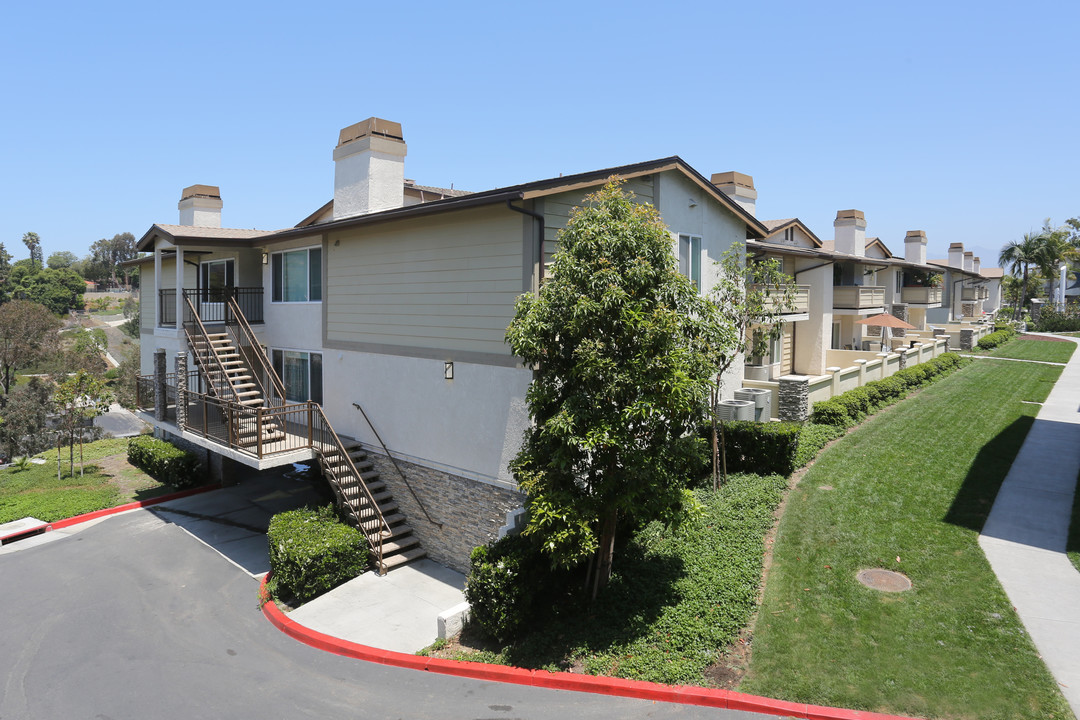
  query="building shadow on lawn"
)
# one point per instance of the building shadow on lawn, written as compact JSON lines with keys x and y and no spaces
{"x":974,"y":500}
{"x":641,"y":587}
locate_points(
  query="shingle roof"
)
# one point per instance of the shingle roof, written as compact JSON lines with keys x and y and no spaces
{"x":194,"y":231}
{"x":773,"y":224}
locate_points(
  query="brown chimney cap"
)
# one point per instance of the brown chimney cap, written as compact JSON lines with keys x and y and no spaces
{"x":916,"y":234}
{"x":373,"y":126}
{"x":956,"y":246}
{"x":850,"y":214}
{"x":733,"y":178}
{"x":203,"y":191}
{"x":969,"y":253}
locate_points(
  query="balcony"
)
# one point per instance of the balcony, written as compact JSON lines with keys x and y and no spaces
{"x":211,"y":304}
{"x":974,"y":293}
{"x":918,"y":295}
{"x":858,"y":297}
{"x":800,"y":300}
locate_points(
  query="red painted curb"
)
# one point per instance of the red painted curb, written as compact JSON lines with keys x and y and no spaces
{"x":638,"y":689}
{"x":68,"y":522}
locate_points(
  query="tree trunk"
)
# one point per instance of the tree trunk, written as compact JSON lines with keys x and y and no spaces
{"x":715,"y":396}
{"x":723,"y":452}
{"x":605,"y":552}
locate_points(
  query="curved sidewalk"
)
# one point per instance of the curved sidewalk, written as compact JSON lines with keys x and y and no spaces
{"x":1025,"y":535}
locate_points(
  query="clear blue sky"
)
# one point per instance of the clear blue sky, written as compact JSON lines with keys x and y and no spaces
{"x":957,"y":119}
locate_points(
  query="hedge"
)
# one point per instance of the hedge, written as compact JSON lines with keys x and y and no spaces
{"x":312,"y":552}
{"x":1052,"y":320}
{"x":761,"y":448}
{"x":164,"y":462}
{"x":851,"y":407}
{"x":996,"y":338}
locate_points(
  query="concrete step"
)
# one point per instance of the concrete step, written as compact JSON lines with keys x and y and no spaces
{"x":403,"y":558}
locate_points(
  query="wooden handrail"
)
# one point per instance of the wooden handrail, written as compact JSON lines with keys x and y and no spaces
{"x":210,"y":351}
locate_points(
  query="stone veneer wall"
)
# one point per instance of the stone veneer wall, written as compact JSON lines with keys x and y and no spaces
{"x":470,"y":511}
{"x":901,"y":312}
{"x":794,"y":399}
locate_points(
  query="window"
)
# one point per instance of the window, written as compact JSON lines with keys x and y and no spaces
{"x":836,"y":336}
{"x":301,"y":372}
{"x":216,"y":276}
{"x":297,"y":275}
{"x":690,"y":258}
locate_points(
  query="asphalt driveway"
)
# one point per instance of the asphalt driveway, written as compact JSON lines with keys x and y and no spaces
{"x":135,"y":618}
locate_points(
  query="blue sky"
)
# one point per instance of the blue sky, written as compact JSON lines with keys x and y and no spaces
{"x":960,"y":120}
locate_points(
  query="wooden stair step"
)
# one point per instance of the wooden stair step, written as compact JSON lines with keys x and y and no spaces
{"x":403,"y":558}
{"x":395,"y":546}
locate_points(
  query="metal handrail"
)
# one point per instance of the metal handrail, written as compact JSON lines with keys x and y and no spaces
{"x":249,"y":334}
{"x":383,"y":529}
{"x":397,"y":467}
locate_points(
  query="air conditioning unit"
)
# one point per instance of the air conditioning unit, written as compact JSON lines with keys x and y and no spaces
{"x":735,"y":410}
{"x":762,"y":399}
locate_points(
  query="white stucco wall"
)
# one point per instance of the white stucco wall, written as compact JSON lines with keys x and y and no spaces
{"x":470,"y":426}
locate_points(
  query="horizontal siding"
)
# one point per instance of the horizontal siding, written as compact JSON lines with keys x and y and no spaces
{"x":448,"y":282}
{"x":558,"y":208}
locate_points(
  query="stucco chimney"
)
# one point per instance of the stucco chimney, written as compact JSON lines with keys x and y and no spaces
{"x":200,"y":205}
{"x":915,"y":246}
{"x":738,"y":187}
{"x":369,"y":168}
{"x":969,"y":261}
{"x":976,"y":266}
{"x":956,"y":255}
{"x":850,"y":232}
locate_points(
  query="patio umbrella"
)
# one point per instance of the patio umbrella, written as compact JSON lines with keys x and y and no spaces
{"x":886,"y":322}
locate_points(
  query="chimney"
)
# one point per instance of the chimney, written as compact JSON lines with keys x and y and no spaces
{"x":956,"y":255}
{"x":369,"y":168}
{"x":200,"y":205}
{"x":915,"y":247}
{"x":976,"y":266}
{"x":739,"y":188}
{"x":969,"y":261}
{"x":850,"y":232}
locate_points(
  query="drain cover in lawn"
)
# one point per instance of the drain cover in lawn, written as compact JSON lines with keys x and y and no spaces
{"x":884,"y":580}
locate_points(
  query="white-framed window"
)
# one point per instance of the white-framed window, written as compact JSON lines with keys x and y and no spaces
{"x":297,"y":275}
{"x":301,"y":373}
{"x":690,"y":258}
{"x":215,"y":277}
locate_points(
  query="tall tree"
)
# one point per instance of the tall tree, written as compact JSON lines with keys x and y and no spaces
{"x":623,"y":349}
{"x":1019,"y":256}
{"x":62,"y":259}
{"x":25,"y":413}
{"x":113,"y":251}
{"x":33,"y":244}
{"x":28,"y":334}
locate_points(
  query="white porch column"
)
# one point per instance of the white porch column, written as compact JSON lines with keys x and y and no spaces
{"x":179,"y":287}
{"x":157,"y":285}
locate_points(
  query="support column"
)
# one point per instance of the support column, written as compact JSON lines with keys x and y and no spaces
{"x":157,"y":286}
{"x":179,"y":287}
{"x":159,"y":384}
{"x":862,"y":371}
{"x":967,"y":337}
{"x":794,"y":397}
{"x":900,"y":311}
{"x":181,"y":390}
{"x":835,"y":379}
{"x":884,"y":357}
{"x":903,"y":359}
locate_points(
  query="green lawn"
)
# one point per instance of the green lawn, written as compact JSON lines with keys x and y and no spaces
{"x":108,"y":481}
{"x":910,"y":490}
{"x":1045,"y":350}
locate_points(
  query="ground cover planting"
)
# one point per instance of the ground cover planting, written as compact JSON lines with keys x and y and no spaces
{"x":107,"y":480}
{"x":907,"y":491}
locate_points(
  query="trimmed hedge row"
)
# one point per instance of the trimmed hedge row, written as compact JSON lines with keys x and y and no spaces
{"x":164,"y":461}
{"x":311,"y":552}
{"x":997,"y":338}
{"x":773,"y":448}
{"x":849,"y":408}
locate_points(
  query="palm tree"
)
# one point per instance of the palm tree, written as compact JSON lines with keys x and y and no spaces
{"x":33,"y":244}
{"x":1054,"y":250}
{"x":1019,"y":255}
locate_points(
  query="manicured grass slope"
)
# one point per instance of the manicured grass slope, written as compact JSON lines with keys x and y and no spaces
{"x":1045,"y":350}
{"x":36,"y":491}
{"x":912,"y":488}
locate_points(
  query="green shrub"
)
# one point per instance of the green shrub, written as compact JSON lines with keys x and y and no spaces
{"x":761,"y":448}
{"x":1053,"y":320}
{"x":832,"y":412}
{"x":164,"y":462}
{"x":813,"y":437}
{"x":112,"y":374}
{"x":996,"y":338}
{"x":311,"y":552}
{"x":509,"y":586}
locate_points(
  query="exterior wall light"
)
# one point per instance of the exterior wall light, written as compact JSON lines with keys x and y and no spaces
{"x":448,"y":370}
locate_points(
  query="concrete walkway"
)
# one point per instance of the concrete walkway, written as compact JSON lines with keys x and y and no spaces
{"x":1024,"y":537}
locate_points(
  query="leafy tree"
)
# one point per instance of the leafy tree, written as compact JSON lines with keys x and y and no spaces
{"x":84,"y":350}
{"x":58,"y":290}
{"x":109,"y":253}
{"x":128,"y":374}
{"x":754,"y":294}
{"x":623,"y":349}
{"x":24,"y":413}
{"x":62,"y":260}
{"x":80,"y":398}
{"x":28,"y":334}
{"x":33,"y":244}
{"x":1021,"y":255}
{"x":5,"y":272}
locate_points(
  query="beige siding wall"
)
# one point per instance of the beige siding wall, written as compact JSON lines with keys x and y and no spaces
{"x":443,"y":283}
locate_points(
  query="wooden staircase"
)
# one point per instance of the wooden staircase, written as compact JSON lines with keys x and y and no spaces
{"x":356,"y":484}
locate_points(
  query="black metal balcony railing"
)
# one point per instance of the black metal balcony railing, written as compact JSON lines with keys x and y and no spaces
{"x":211,"y":304}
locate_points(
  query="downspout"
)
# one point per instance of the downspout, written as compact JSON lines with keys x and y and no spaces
{"x":539,"y":235}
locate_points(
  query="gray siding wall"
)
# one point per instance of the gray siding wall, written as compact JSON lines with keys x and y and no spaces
{"x":446,"y":283}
